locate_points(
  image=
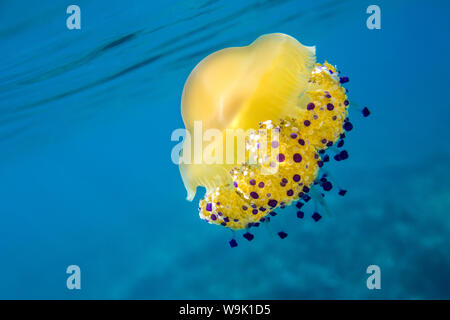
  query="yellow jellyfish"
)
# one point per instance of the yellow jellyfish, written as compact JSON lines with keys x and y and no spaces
{"x":275,"y":92}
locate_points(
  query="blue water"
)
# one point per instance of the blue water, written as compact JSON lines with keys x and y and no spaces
{"x":86,"y":176}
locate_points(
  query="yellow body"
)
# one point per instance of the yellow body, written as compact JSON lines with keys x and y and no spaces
{"x":263,"y":86}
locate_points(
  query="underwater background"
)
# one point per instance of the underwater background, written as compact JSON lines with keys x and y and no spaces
{"x":86,"y":176}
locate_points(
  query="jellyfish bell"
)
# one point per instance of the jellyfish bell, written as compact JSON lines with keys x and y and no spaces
{"x":237,"y":88}
{"x":274,"y":94}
